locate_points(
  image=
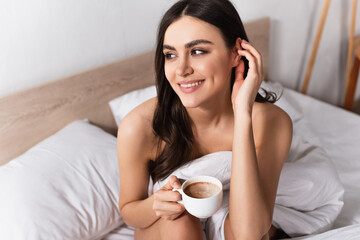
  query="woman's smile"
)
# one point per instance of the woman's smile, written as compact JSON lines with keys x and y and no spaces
{"x":190,"y":86}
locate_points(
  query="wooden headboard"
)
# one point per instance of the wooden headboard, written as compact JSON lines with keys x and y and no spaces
{"x":29,"y":116}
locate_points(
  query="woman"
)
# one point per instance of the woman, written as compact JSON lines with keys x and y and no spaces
{"x":207,"y":76}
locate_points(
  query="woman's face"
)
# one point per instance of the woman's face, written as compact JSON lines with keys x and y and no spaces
{"x":197,"y":62}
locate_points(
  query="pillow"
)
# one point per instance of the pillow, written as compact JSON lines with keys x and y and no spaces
{"x":124,"y":104}
{"x":65,"y":187}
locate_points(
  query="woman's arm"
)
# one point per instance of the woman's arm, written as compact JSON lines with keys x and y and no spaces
{"x":136,"y":143}
{"x":261,"y":142}
{"x":133,"y":151}
{"x":256,"y":170}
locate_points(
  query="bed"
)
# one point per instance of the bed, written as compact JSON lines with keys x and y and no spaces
{"x":58,"y":166}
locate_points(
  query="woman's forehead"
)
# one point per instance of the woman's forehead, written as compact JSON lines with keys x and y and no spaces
{"x":187,"y":29}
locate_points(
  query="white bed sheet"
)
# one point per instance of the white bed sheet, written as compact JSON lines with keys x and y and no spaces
{"x":338,"y":132}
{"x":351,"y":232}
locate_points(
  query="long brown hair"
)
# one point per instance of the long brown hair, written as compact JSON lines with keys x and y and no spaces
{"x":171,"y":122}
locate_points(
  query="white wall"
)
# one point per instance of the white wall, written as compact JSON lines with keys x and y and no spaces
{"x":43,"y":40}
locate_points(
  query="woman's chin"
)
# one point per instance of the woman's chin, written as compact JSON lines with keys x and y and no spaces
{"x":190,"y":103}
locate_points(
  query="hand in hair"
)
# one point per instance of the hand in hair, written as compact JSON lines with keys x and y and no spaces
{"x":245,"y":90}
{"x":165,"y":200}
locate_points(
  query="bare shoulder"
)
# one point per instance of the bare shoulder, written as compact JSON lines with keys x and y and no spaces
{"x":140,"y":118}
{"x":270,"y":112}
{"x":135,"y":130}
{"x":271,"y":123}
{"x":135,"y":144}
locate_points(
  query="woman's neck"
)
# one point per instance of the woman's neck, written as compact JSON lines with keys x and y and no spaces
{"x":213,"y":114}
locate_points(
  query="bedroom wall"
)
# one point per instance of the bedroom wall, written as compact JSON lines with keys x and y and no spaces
{"x":43,"y":40}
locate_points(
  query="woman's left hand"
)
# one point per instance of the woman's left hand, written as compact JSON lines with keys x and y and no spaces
{"x":245,"y":90}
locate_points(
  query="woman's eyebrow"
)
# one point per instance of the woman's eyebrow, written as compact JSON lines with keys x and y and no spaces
{"x":190,"y":44}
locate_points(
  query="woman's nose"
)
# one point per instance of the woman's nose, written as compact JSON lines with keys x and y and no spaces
{"x":184,"y":67}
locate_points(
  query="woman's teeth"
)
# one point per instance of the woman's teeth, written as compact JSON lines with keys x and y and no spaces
{"x":192,"y":84}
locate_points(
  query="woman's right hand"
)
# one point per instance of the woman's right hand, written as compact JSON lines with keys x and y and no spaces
{"x":165,"y":200}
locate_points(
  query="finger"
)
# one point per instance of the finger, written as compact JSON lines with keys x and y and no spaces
{"x":253,"y":67}
{"x":173,"y":182}
{"x":168,"y":207}
{"x":239,"y":71}
{"x":246,"y":45}
{"x":167,"y":196}
{"x":171,"y":217}
{"x":161,"y":212}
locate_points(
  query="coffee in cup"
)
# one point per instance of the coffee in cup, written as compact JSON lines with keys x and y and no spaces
{"x":201,"y":189}
{"x":202,"y":196}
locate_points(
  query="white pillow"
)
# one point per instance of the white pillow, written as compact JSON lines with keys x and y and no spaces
{"x":124,"y":104}
{"x":65,"y":187}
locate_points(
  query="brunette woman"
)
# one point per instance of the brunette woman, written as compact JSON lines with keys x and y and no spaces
{"x":207,"y":76}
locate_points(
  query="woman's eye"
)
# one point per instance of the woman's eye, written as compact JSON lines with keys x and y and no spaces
{"x":198,"y":52}
{"x":169,"y":56}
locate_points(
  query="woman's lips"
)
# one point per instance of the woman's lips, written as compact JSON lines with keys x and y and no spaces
{"x":190,"y":86}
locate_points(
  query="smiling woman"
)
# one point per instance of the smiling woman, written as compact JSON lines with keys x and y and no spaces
{"x":195,"y":48}
{"x":203,"y":64}
{"x":207,"y":76}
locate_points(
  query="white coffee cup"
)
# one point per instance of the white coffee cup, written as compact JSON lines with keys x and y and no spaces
{"x":202,"y":207}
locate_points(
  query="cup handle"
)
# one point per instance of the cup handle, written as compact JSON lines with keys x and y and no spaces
{"x":181,"y":193}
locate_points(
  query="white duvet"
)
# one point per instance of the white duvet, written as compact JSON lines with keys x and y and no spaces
{"x":310,"y":194}
{"x":351,"y":232}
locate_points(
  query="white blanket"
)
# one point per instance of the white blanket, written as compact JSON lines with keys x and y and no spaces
{"x":309,"y":196}
{"x":345,"y":233}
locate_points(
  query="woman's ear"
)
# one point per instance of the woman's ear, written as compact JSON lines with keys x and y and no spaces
{"x":236,"y":55}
